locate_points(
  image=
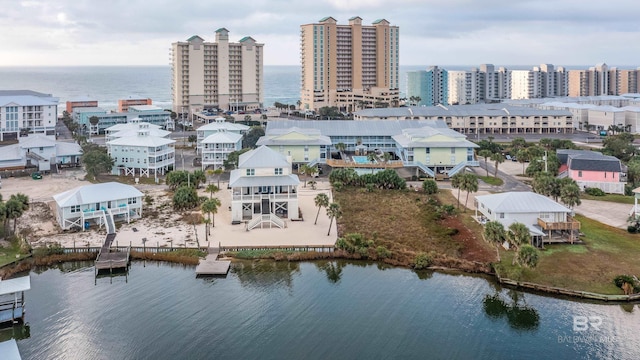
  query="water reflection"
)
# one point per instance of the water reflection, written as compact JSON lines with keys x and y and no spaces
{"x":332,"y":269}
{"x":18,"y":332}
{"x":520,"y":316}
{"x":265,"y":273}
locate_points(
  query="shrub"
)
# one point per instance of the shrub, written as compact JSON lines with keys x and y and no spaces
{"x":422,"y":261}
{"x":51,"y":249}
{"x":620,"y":280}
{"x":632,"y":229}
{"x":430,"y":186}
{"x":382,"y":252}
{"x":594,"y":192}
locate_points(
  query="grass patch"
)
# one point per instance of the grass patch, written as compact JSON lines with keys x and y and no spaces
{"x":607,"y":253}
{"x":8,"y":255}
{"x":616,"y":198}
{"x":258,"y":254}
{"x":407,"y":223}
{"x":181,"y":256}
{"x":491,"y":180}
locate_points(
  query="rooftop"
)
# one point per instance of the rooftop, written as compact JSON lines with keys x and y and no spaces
{"x":95,"y":193}
{"x":520,"y":202}
{"x":496,"y":110}
{"x":355,"y":128}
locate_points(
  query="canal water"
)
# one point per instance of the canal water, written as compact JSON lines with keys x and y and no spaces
{"x":310,"y":310}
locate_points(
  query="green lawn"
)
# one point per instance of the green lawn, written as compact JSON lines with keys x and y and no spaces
{"x":607,"y":253}
{"x":8,"y":254}
{"x":495,"y":181}
{"x":617,"y":198}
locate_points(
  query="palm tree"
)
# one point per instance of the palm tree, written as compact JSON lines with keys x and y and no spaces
{"x":517,"y":236}
{"x":386,"y":157}
{"x":211,"y":188}
{"x":371,"y":157}
{"x":494,"y":233}
{"x":456,"y":183}
{"x":570,"y":194}
{"x":304,"y":170}
{"x":469,"y":184}
{"x":485,"y":153}
{"x":211,"y":206}
{"x":218,"y":172}
{"x":14,"y":209}
{"x":334,"y":212}
{"x":523,"y":156}
{"x":321,"y":200}
{"x":499,"y":159}
{"x":341,"y":147}
{"x":528,"y":256}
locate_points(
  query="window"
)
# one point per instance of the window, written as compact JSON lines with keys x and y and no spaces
{"x":501,"y":215}
{"x":132,"y":201}
{"x":278,"y":171}
{"x":251,"y":172}
{"x":453,"y":150}
{"x":428,"y":150}
{"x":75,"y":208}
{"x":580,"y":173}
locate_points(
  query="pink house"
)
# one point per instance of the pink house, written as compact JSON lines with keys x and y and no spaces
{"x":592,"y":169}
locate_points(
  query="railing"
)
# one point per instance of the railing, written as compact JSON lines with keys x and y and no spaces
{"x":258,"y":197}
{"x":456,"y":169}
{"x":265,"y":218}
{"x":570,"y":224}
{"x":424,"y":168}
{"x":368,"y":165}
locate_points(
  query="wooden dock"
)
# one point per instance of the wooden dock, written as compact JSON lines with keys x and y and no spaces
{"x":109,"y":259}
{"x":210,"y":265}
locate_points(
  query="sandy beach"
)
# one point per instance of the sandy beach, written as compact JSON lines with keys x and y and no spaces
{"x":160,"y":225}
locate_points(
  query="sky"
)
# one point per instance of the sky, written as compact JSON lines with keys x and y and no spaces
{"x":432,"y":32}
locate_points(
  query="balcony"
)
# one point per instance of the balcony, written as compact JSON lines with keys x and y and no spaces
{"x":570,"y":224}
{"x":259,"y":197}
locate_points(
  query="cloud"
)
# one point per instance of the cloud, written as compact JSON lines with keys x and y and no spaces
{"x":449,"y":30}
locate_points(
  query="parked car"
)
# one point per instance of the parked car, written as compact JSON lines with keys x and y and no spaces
{"x":36,"y":175}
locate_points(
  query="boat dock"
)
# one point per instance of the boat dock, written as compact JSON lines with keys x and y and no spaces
{"x":109,"y":259}
{"x":210,"y":265}
{"x":12,"y":299}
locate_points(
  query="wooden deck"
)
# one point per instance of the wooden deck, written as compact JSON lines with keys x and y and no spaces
{"x":210,"y":265}
{"x":109,"y":259}
{"x":392,"y":164}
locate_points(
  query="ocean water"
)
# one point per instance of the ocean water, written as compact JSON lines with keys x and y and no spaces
{"x":107,"y":84}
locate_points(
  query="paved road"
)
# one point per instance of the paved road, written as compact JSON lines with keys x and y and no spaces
{"x":62,"y":132}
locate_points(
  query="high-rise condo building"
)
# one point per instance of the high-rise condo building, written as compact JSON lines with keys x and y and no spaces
{"x":623,"y":81}
{"x":350,"y":66}
{"x":429,"y":86}
{"x":592,"y":82}
{"x":220,"y":74}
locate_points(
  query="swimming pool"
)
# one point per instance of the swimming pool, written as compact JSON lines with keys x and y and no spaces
{"x":361,"y":160}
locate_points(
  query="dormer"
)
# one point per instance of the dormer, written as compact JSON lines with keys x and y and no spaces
{"x":222,"y":34}
{"x":328,"y":20}
{"x":356,"y":20}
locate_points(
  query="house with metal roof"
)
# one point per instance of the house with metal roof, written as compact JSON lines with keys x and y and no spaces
{"x":142,"y":154}
{"x":264,"y":189}
{"x":131,"y":129}
{"x":40,"y":151}
{"x":100,"y":204}
{"x":215,"y":148}
{"x":481,"y":118}
{"x":218,"y":125}
{"x":27,"y":111}
{"x":407,"y":141}
{"x":544,"y":217}
{"x":592,"y":169}
{"x":301,"y":144}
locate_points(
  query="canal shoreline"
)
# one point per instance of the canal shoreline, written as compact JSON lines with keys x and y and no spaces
{"x":292,"y":254}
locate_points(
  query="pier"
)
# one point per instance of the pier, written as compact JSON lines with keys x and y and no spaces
{"x":210,"y":265}
{"x":109,"y":259}
{"x":12,"y":299}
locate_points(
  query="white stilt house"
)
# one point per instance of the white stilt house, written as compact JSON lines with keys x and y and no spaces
{"x":100,"y":204}
{"x":142,"y":154}
{"x":264,"y":190}
{"x":12,"y":299}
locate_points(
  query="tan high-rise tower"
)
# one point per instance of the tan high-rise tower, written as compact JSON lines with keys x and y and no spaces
{"x":220,"y":74}
{"x":351,"y":66}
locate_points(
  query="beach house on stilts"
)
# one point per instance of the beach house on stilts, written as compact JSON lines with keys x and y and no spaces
{"x":264,"y":191}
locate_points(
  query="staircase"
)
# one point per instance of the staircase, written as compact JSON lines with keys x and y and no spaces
{"x":456,"y":169}
{"x":111,"y":225}
{"x":563,"y":174}
{"x":262,"y":219}
{"x":32,"y":155}
{"x":425,"y":169}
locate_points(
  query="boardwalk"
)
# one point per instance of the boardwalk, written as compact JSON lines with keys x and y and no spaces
{"x":210,"y":265}
{"x":111,"y":259}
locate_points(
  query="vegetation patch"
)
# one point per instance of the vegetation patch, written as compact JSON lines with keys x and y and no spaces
{"x":181,"y":256}
{"x":400,"y":224}
{"x":616,"y":198}
{"x":607,"y":253}
{"x":490,"y":180}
